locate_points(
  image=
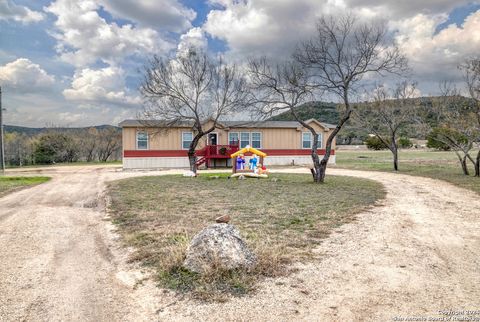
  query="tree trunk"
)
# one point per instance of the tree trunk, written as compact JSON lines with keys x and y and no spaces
{"x":465,"y":166}
{"x":477,"y":165}
{"x":395,"y":159}
{"x":316,"y":160}
{"x":328,"y":146}
{"x":192,"y":158}
{"x":463,"y":163}
{"x":394,"y":149}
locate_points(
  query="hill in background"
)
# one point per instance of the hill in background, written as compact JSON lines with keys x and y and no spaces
{"x":351,"y":134}
{"x":32,"y":131}
{"x":324,"y":112}
{"x":328,"y":113}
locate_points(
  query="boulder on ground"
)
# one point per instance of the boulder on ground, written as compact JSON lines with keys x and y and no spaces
{"x":218,"y":246}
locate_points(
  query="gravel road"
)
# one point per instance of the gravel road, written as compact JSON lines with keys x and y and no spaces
{"x":416,"y":253}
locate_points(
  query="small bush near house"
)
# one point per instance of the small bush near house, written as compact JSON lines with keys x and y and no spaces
{"x":405,"y":143}
{"x":374,"y":143}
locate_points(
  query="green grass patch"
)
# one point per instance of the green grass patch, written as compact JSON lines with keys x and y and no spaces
{"x":282,"y":221}
{"x":9,"y":184}
{"x":64,"y":164}
{"x":432,"y":164}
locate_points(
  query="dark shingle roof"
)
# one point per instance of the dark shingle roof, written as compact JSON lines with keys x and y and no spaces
{"x":237,"y":124}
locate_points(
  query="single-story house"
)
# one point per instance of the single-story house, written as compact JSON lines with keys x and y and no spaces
{"x":149,"y":145}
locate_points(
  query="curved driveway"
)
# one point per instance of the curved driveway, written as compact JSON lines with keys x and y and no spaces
{"x":416,"y":253}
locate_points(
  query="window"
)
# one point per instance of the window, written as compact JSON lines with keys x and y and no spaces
{"x":142,"y":141}
{"x":306,"y":140}
{"x":320,"y":140}
{"x":232,"y":138}
{"x":256,"y":140}
{"x":244,"y":139}
{"x":187,"y":138}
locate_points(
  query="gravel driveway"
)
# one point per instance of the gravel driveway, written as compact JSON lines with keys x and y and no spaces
{"x":416,"y":254}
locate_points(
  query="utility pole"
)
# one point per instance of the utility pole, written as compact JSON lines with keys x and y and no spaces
{"x":2,"y":148}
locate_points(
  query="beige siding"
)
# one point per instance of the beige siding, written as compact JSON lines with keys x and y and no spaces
{"x":128,"y":138}
{"x":272,"y":138}
{"x":158,"y":140}
{"x":283,"y":138}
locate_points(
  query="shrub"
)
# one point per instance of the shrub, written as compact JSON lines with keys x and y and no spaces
{"x":374,"y":143}
{"x":405,"y":143}
{"x":435,"y":139}
{"x":55,"y":147}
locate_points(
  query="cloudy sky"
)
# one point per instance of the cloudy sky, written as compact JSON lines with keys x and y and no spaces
{"x":78,"y":62}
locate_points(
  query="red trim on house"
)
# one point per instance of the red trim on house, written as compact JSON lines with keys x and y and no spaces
{"x":278,"y":152}
{"x":183,"y":153}
{"x":154,"y":153}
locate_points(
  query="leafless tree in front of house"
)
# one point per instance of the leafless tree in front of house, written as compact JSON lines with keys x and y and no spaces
{"x":192,"y":88}
{"x":280,"y":87}
{"x":340,"y":55}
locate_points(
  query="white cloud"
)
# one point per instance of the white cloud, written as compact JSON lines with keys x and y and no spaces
{"x":11,"y":11}
{"x":253,"y":27}
{"x":85,"y":38}
{"x":436,"y":56}
{"x":273,"y":28}
{"x":264,"y":27}
{"x":69,"y":117}
{"x":168,"y":15}
{"x":394,"y":9}
{"x":194,"y":38}
{"x":24,"y":76}
{"x":104,"y":85}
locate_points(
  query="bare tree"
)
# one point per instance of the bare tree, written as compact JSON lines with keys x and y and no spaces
{"x":471,"y":69}
{"x":454,"y":129}
{"x":284,"y":87}
{"x":387,"y":114}
{"x":90,"y":141}
{"x":109,"y":141}
{"x":341,"y":54}
{"x":192,"y":88}
{"x":18,"y":149}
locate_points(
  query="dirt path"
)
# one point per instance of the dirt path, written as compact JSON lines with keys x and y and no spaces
{"x":58,"y":260}
{"x":416,"y":254}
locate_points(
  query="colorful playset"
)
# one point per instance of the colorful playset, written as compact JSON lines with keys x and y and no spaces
{"x":255,"y":167}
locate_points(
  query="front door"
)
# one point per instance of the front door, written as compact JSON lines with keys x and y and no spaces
{"x":212,"y":139}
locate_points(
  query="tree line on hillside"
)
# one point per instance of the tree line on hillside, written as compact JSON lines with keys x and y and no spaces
{"x":355,"y":133}
{"x":63,"y":145}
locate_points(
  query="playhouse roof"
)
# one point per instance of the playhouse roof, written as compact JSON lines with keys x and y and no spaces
{"x":248,"y":149}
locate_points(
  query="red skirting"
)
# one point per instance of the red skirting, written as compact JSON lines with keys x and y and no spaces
{"x":154,"y":153}
{"x":293,"y":152}
{"x":183,"y":153}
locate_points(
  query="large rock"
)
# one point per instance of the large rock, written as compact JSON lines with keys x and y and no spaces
{"x":218,"y":246}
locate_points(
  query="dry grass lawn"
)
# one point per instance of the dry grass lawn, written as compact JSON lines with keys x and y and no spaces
{"x":282,"y":221}
{"x":441,"y":165}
